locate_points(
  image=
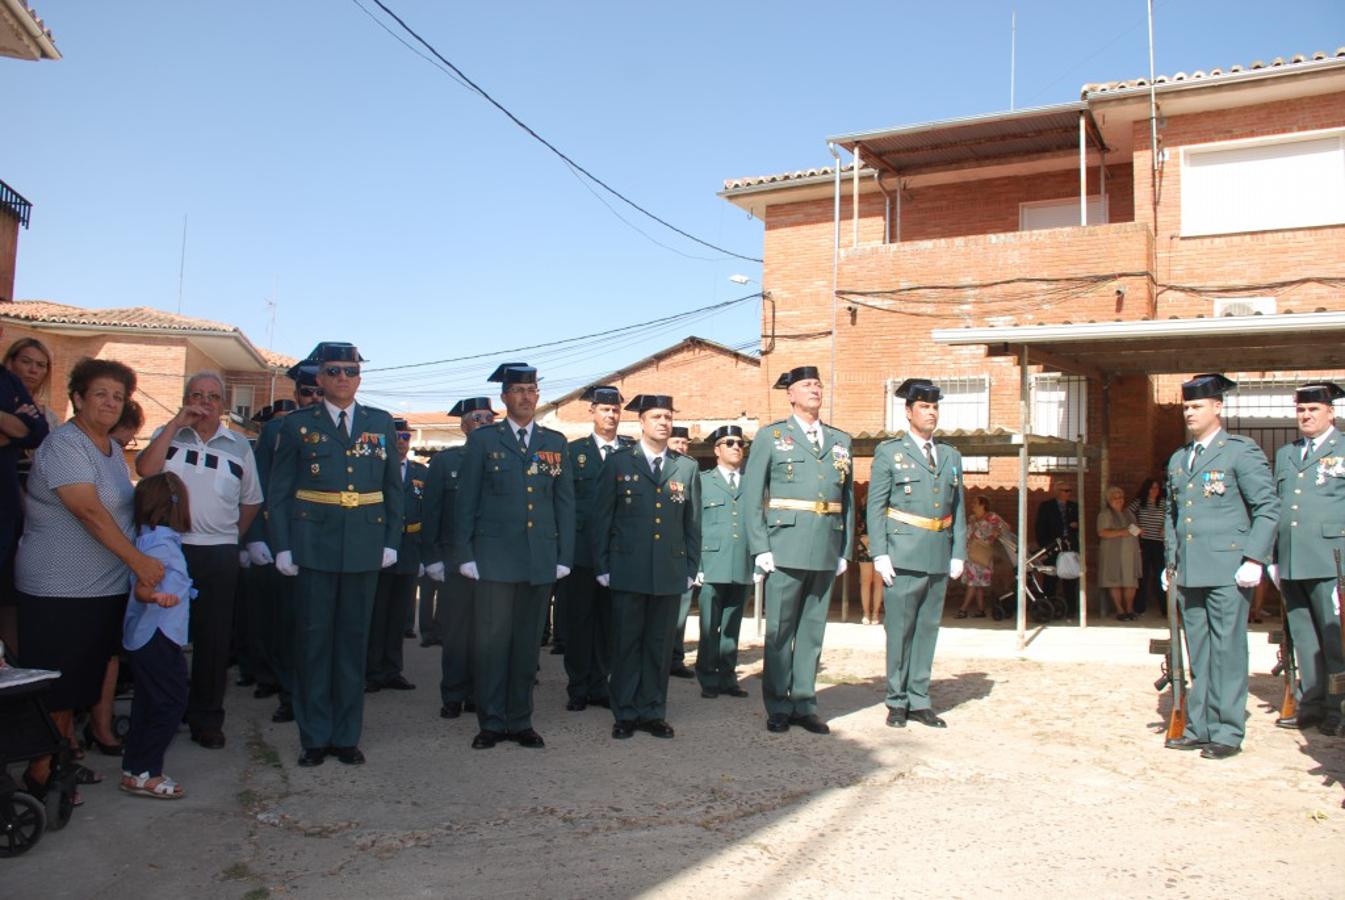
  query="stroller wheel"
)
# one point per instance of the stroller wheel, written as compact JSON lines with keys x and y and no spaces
{"x":22,"y":821}
{"x":996,"y":613}
{"x":121,"y":726}
{"x":1059,"y":607}
{"x":1041,"y":610}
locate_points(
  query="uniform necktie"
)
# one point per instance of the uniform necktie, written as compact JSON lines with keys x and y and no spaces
{"x":733,"y":481}
{"x":523,"y":439}
{"x":606,"y":448}
{"x":815,"y":440}
{"x":341,"y":423}
{"x":929,"y":453}
{"x":1195,"y":454}
{"x":658,"y":467}
{"x":1307,"y":445}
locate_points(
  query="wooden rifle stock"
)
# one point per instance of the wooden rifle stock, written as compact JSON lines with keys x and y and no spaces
{"x":1287,"y":665}
{"x":1176,"y":665}
{"x":1333,"y":682}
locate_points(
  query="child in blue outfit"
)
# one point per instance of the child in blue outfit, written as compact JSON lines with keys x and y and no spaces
{"x":154,"y":630}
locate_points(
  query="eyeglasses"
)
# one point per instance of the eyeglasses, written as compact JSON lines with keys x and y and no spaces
{"x":480,"y":418}
{"x":403,"y":435}
{"x":198,"y":396}
{"x":731,"y":442}
{"x":310,"y":392}
{"x":519,"y":391}
{"x":348,"y":371}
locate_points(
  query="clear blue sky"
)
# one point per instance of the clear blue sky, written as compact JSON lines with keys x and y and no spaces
{"x":319,"y":160}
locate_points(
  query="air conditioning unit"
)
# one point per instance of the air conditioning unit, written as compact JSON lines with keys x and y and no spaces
{"x":1244,"y":306}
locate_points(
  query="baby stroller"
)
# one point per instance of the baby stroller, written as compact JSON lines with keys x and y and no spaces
{"x":1040,"y":608}
{"x":26,"y":733}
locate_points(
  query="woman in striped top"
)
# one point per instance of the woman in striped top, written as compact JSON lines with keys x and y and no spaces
{"x":1148,"y":508}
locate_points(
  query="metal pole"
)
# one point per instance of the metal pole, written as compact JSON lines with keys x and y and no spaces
{"x":757,"y":589}
{"x":1083,"y":171}
{"x":835,"y":270}
{"x":1024,"y":428}
{"x":1013,"y":54}
{"x":1083,"y":531}
{"x":854,"y":202}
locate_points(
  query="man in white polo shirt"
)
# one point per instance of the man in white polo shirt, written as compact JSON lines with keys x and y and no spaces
{"x":220,"y":472}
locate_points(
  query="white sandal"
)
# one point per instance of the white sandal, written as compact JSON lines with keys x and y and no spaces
{"x":166,"y":789}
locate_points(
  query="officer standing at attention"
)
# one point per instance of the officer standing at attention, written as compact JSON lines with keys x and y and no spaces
{"x":680,"y":442}
{"x":1310,"y":482}
{"x":799,"y":491}
{"x":918,"y":538}
{"x":396,"y":592}
{"x":455,"y":597}
{"x":726,"y":568}
{"x":646,"y":548}
{"x":1219,"y":529}
{"x":336,"y":520}
{"x":278,"y":591}
{"x":513,"y":529}
{"x":588,"y":605}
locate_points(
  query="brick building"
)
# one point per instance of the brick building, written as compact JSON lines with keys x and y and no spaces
{"x":162,"y":348}
{"x":948,"y":239}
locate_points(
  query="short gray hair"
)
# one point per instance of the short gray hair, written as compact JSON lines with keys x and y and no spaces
{"x":204,"y":375}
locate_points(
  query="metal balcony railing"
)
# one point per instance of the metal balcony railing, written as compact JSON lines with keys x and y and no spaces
{"x":14,"y":202}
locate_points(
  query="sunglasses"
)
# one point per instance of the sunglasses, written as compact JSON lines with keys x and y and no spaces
{"x":403,"y":435}
{"x":310,"y":392}
{"x":731,"y":442}
{"x":348,"y":371}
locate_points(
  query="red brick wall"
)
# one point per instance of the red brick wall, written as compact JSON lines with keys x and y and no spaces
{"x":9,"y":254}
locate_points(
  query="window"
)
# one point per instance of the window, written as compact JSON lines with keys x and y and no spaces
{"x":1060,"y":213}
{"x":965,"y":407}
{"x":243,"y":398}
{"x":1262,"y":185}
{"x":1059,"y":409}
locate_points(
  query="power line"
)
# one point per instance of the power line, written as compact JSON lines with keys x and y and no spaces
{"x":463,"y":78}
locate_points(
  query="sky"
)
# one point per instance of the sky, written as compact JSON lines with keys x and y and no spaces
{"x":320,"y":164}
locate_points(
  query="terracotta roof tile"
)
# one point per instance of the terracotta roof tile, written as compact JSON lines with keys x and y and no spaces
{"x":733,"y":184}
{"x":1215,"y":73}
{"x":128,"y":317}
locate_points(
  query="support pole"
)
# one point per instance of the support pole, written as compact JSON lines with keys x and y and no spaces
{"x":854,"y":201}
{"x":1083,"y":170}
{"x":1083,"y":532}
{"x":1024,"y":429}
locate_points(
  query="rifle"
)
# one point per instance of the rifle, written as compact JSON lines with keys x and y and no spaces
{"x":1174,"y":668}
{"x":1285,"y":664}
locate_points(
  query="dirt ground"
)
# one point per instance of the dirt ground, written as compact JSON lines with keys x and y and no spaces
{"x":1051,"y":779}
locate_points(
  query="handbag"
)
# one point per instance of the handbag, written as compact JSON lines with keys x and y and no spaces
{"x":1067,"y":565}
{"x":981,"y":553}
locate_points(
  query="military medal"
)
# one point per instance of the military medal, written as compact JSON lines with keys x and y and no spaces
{"x":313,"y":468}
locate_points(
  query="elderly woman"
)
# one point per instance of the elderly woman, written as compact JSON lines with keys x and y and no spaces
{"x":984,"y":528}
{"x":71,"y":570}
{"x":1119,"y":548}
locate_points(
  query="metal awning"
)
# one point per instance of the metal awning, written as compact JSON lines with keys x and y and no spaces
{"x":1151,"y":347}
{"x":983,"y":442}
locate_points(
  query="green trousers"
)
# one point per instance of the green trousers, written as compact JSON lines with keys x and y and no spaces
{"x":1216,"y":634}
{"x":588,"y":634}
{"x":507,"y":637}
{"x":914,"y":607}
{"x":721,"y":608}
{"x":642,"y":636}
{"x":679,"y":647}
{"x":796,"y":620}
{"x":454,"y":624}
{"x":1315,"y":628}
{"x":333,"y":610}
{"x":278,"y":624}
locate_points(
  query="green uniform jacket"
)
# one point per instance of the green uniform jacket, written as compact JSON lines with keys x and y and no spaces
{"x":724,"y":556}
{"x":903,"y":480}
{"x":647,"y":534}
{"x":413,"y":489}
{"x":264,"y":453}
{"x":441,"y":499}
{"x":782,"y":465}
{"x":585,"y":464}
{"x":1221,"y":513}
{"x":1312,"y":508}
{"x":515,"y":511}
{"x":313,"y":454}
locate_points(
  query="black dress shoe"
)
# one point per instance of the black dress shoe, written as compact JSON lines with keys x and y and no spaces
{"x":734,"y":691}
{"x":262,"y":691}
{"x":398,"y":683}
{"x":1219,"y":751}
{"x":409,"y":633}
{"x":527,"y":738}
{"x":604,"y":702}
{"x":576,"y":705}
{"x":557,"y":649}
{"x":312,"y":756}
{"x":245,"y":680}
{"x":657,"y":727}
{"x":680,"y":670}
{"x":1185,"y":743}
{"x":896,"y":718}
{"x":1299,"y":722}
{"x":777,"y":723}
{"x":623,"y":729}
{"x":484,"y":740}
{"x":810,"y":723}
{"x":351,"y":756}
{"x":469,"y":706}
{"x":709,"y":693}
{"x":284,"y":713}
{"x":450,"y":710}
{"x":926,"y":717}
{"x":1331,"y":726}
{"x":209,"y":738}
{"x":372,"y":687}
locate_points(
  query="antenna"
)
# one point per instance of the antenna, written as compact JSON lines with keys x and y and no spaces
{"x":1013,"y":54}
{"x":272,"y":303}
{"x":182,"y":264}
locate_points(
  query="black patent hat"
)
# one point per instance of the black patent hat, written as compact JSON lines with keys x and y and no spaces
{"x":1208,"y":386}
{"x":917,"y":390}
{"x":334,"y":351}
{"x":645,"y":402}
{"x":470,"y":405}
{"x":1319,"y":392}
{"x":798,"y":373}
{"x":722,"y":432}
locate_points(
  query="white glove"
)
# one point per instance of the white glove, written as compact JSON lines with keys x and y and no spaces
{"x":1163,"y":578}
{"x":389,"y":557}
{"x":285,"y":563}
{"x":561,"y":571}
{"x":765,"y":561}
{"x":420,"y":572}
{"x":468,"y":570}
{"x":605,"y":580}
{"x":435,"y":571}
{"x":883,"y":566}
{"x":243,"y":560}
{"x":841,"y":565}
{"x":700,"y":579}
{"x":1273,"y":570}
{"x":691,"y":582}
{"x":259,"y":553}
{"x":955,"y":569}
{"x":1248,"y":574}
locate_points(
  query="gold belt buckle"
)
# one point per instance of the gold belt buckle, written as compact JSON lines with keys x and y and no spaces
{"x":350,"y":499}
{"x":820,"y":507}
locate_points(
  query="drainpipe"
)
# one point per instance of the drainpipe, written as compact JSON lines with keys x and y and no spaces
{"x":887,"y":207}
{"x":835,"y":268}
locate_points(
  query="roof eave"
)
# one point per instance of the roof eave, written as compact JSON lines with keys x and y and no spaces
{"x":32,"y":26}
{"x":982,"y":119}
{"x":1229,"y":79}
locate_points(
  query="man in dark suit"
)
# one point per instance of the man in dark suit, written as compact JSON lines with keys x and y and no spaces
{"x":680,"y":442}
{"x":1058,"y":518}
{"x":725,"y":574}
{"x":513,"y":529}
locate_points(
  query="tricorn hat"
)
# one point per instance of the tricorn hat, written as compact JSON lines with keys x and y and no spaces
{"x":602,"y":393}
{"x":1319,"y":392}
{"x":335,"y":351}
{"x":680,"y":430}
{"x":283,"y":405}
{"x":503,"y":373}
{"x":303,"y":374}
{"x":722,"y":432}
{"x":916,"y":390}
{"x":1211,"y":385}
{"x":469,"y":405}
{"x":644,"y":402}
{"x":798,"y":373}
